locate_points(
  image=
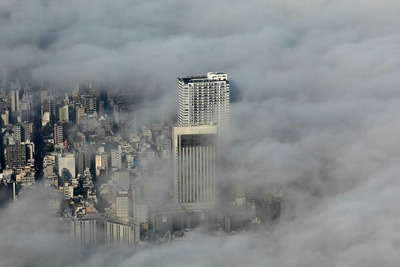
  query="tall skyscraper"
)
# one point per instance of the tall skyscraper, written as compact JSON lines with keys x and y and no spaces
{"x":203,"y":114}
{"x":203,"y":100}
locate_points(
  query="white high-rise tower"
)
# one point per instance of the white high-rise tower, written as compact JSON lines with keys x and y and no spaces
{"x":203,"y":100}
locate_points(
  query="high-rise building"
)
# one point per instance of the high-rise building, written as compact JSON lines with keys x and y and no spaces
{"x":5,"y":118}
{"x":17,"y":75}
{"x":89,"y":103}
{"x":116,"y":158}
{"x":101,"y":162}
{"x":14,"y":98}
{"x":64,"y":113}
{"x":203,"y":117}
{"x":104,"y":230}
{"x":204,"y":99}
{"x":101,"y":108}
{"x":80,"y":162}
{"x":27,"y":131}
{"x":203,"y":114}
{"x":17,"y":133}
{"x":15,"y":156}
{"x":58,"y":134}
{"x":195,"y":166}
{"x":79,"y":113}
{"x":122,"y":204}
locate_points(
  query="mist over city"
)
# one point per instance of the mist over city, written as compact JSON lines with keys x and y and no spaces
{"x":107,"y":161}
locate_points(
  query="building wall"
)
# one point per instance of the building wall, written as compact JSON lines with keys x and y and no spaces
{"x":14,"y":100}
{"x":64,"y":113}
{"x":118,"y":234}
{"x":122,"y":206}
{"x":195,"y":165}
{"x":140,"y":213}
{"x":58,"y":134}
{"x":15,"y":156}
{"x":66,"y":161}
{"x":84,"y":232}
{"x":116,"y":158}
{"x":17,"y":134}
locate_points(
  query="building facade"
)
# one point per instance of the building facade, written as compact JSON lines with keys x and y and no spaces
{"x":203,"y":100}
{"x":58,"y":134}
{"x":195,"y":166}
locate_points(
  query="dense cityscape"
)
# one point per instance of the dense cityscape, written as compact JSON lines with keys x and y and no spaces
{"x":115,"y":182}
{"x":199,"y":133}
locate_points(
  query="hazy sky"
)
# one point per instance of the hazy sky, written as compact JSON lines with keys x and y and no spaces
{"x":319,"y":98}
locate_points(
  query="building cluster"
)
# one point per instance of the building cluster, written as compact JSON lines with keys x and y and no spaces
{"x":121,"y":183}
{"x":17,"y":127}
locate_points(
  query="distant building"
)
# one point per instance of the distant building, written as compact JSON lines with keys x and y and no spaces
{"x":116,"y":158}
{"x":140,"y":212}
{"x":104,"y":230}
{"x":89,"y":103}
{"x":122,"y":204}
{"x":64,"y":113}
{"x":80,"y":162}
{"x":101,"y":108}
{"x":15,"y":156}
{"x":5,"y":118}
{"x":58,"y":134}
{"x":14,"y":98}
{"x":27,"y":130}
{"x":66,"y":161}
{"x":119,"y":234}
{"x":17,"y":129}
{"x":101,"y":162}
{"x":79,"y":113}
{"x":84,"y":231}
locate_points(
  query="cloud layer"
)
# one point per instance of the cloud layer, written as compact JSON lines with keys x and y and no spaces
{"x":318,"y":85}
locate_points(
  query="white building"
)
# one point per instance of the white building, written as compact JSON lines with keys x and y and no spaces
{"x":117,"y":234}
{"x":64,"y":115}
{"x":45,"y":118}
{"x":122,"y":204}
{"x":203,"y":99}
{"x":116,"y":158}
{"x":195,"y":166}
{"x":17,"y":133}
{"x":66,"y":161}
{"x":140,"y":213}
{"x":104,"y":230}
{"x":84,"y":231}
{"x":101,"y":162}
{"x":5,"y":118}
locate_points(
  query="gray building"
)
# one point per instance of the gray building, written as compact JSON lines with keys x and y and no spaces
{"x":195,"y":166}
